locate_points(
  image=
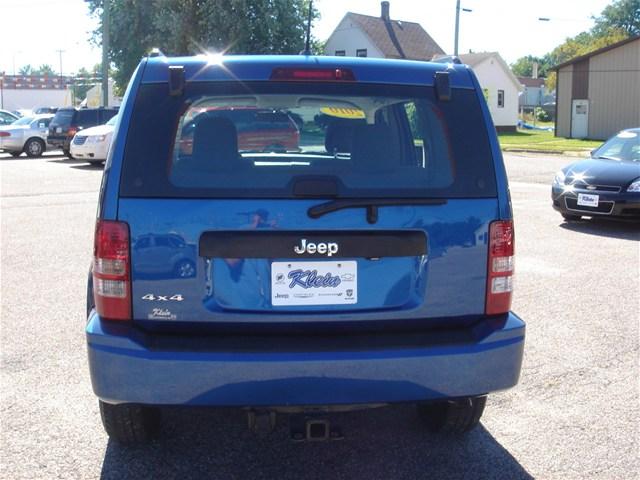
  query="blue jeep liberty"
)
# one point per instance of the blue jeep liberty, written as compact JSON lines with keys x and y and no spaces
{"x":300,"y":233}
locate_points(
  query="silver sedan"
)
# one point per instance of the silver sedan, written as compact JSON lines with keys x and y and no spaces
{"x":28,"y":134}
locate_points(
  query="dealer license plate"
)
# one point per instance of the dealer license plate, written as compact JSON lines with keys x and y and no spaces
{"x":586,"y":200}
{"x":314,"y":283}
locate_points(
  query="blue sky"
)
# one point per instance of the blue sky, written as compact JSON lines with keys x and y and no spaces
{"x":33,"y":30}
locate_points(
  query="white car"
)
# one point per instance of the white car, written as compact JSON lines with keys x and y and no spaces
{"x":92,"y":144}
{"x":27,"y":134}
{"x":7,"y":118}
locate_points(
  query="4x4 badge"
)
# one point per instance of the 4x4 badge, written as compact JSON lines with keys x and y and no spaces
{"x":163,"y":298}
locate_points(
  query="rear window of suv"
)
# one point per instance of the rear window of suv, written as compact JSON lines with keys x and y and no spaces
{"x":88,"y":117}
{"x":270,"y":140}
{"x":63,"y":117}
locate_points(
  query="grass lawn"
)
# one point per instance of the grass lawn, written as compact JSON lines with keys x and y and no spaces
{"x":538,"y":140}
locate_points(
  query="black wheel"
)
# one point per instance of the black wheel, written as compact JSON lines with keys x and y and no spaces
{"x":15,"y":154}
{"x":95,"y":163}
{"x":130,"y":423}
{"x":67,"y":153}
{"x":570,"y":218}
{"x":458,"y":415}
{"x":34,"y":147}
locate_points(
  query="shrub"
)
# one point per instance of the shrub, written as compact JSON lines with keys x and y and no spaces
{"x":541,"y":115}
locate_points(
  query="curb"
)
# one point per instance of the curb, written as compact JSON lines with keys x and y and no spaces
{"x":567,"y":153}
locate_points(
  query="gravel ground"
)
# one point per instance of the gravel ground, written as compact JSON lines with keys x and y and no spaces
{"x":573,"y":415}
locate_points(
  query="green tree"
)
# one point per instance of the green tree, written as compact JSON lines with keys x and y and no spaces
{"x":523,"y":67}
{"x":619,"y":15}
{"x":579,"y":45}
{"x":187,"y":27}
{"x":83,"y":81}
{"x":26,"y":70}
{"x":45,"y":69}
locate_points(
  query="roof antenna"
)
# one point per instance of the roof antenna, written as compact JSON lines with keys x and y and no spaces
{"x":307,"y":48}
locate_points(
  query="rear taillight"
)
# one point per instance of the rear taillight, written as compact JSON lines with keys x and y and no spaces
{"x":111,"y":278}
{"x":5,"y":134}
{"x":500,"y":267}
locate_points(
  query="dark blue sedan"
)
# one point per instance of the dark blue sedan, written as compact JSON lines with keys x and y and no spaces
{"x":605,"y":185}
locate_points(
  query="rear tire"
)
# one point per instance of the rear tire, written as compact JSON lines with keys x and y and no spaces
{"x":570,"y":218}
{"x":130,"y":423}
{"x":456,"y":416}
{"x":34,"y":147}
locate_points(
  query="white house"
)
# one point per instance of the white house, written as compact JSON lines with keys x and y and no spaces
{"x":381,"y":37}
{"x":501,"y":87}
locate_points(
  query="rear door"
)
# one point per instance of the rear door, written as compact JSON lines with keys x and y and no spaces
{"x":60,"y":124}
{"x":379,"y":212}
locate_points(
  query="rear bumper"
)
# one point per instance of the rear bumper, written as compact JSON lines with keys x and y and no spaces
{"x":130,"y":366}
{"x":9,"y":144}
{"x":59,"y":142}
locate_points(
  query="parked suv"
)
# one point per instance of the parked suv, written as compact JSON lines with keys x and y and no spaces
{"x":68,"y":121}
{"x":369,"y":264}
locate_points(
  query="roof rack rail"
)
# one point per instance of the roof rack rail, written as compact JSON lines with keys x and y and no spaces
{"x":448,"y":59}
{"x":156,"y":52}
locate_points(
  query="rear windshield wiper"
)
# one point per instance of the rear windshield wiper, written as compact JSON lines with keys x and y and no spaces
{"x":371,"y":204}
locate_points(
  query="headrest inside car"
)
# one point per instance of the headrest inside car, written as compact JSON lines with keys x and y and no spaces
{"x":372,"y":147}
{"x":215,"y":143}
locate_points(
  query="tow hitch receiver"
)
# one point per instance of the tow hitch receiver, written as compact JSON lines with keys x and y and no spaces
{"x":261,"y":422}
{"x":313,"y":429}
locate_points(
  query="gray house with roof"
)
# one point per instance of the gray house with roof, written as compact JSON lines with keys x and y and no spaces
{"x":381,"y":37}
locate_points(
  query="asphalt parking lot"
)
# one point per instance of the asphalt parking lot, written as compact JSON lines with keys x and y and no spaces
{"x":573,"y":415}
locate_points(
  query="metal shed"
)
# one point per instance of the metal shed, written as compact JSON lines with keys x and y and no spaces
{"x":598,"y":94}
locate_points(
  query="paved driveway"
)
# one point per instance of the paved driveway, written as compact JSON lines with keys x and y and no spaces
{"x":574,"y":414}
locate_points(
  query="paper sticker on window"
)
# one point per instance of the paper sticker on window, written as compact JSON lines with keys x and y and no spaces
{"x":350,"y":113}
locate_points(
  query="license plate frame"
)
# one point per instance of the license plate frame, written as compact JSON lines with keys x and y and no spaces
{"x":301,"y":283}
{"x":588,"y":200}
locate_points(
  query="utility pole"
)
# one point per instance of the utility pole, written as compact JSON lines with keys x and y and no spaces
{"x":455,"y":42}
{"x":307,"y":47}
{"x":14,"y":61}
{"x":105,"y":53}
{"x":60,"y":52}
